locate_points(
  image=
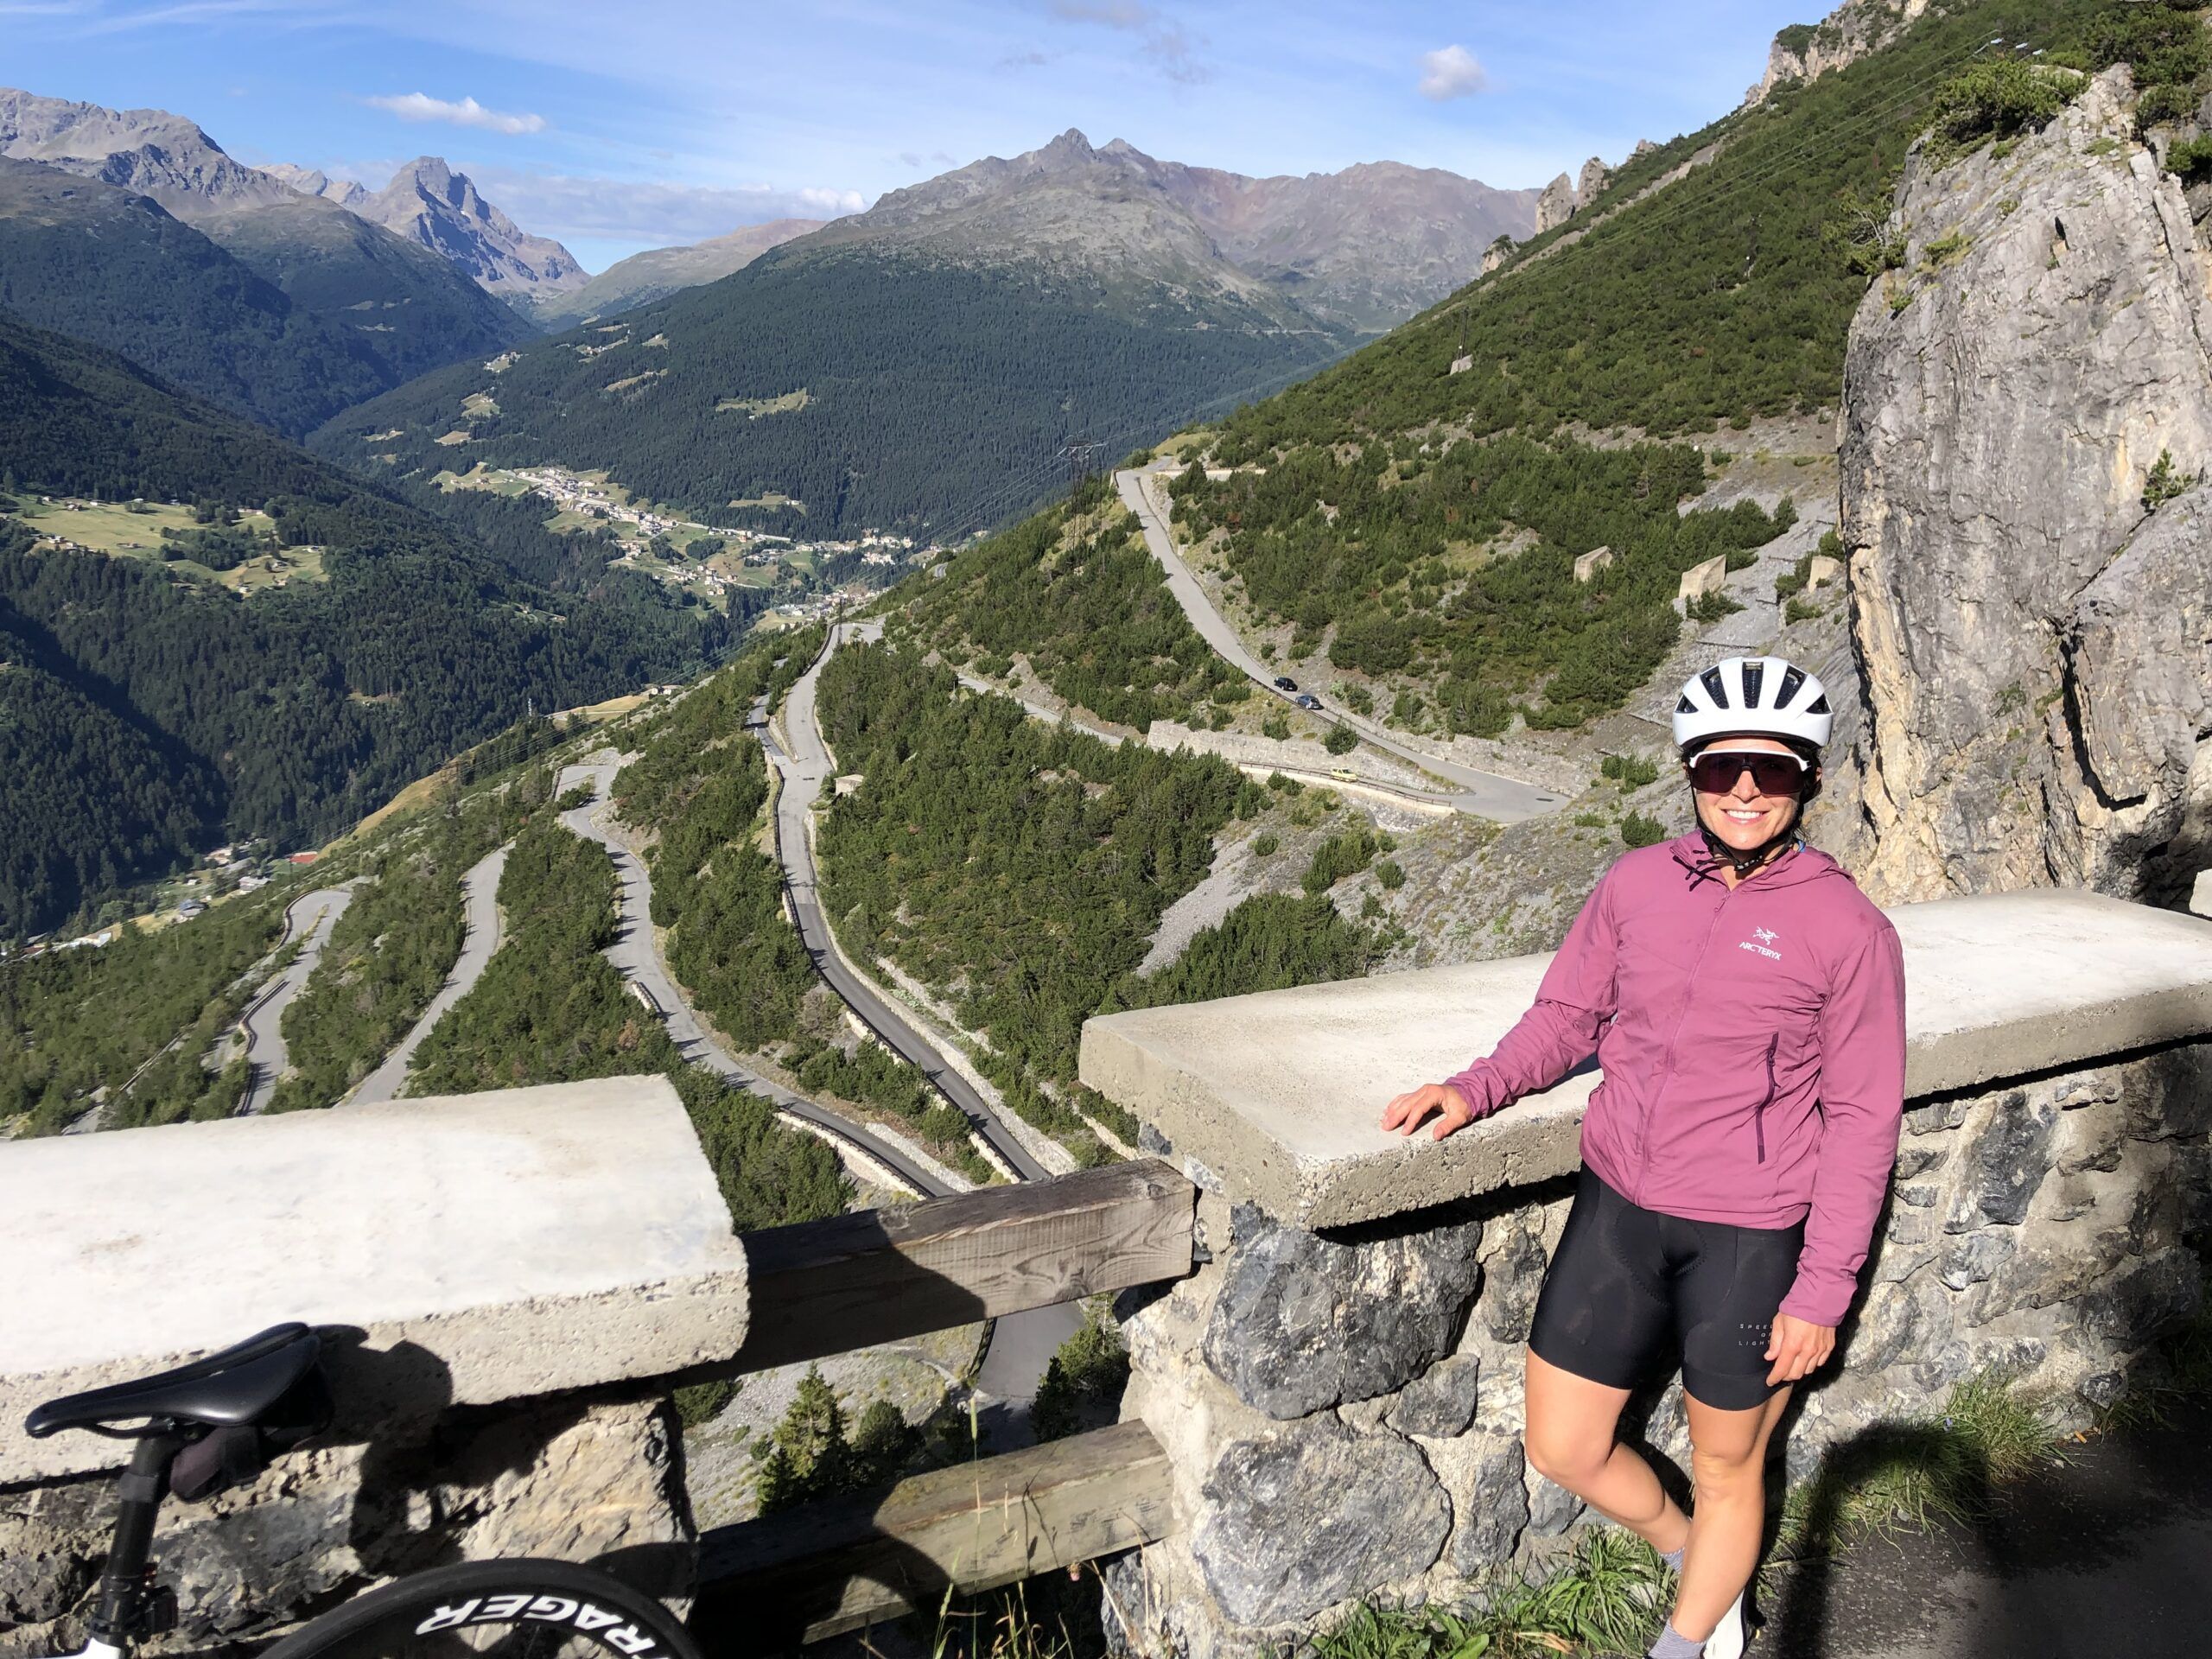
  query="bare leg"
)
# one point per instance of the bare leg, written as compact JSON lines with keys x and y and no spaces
{"x":1728,"y":1468}
{"x":1570,"y":1442}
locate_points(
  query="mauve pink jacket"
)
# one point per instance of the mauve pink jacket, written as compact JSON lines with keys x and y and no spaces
{"x":1753,"y":1047}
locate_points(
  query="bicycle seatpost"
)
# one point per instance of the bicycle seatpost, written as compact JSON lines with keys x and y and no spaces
{"x":120,"y":1615}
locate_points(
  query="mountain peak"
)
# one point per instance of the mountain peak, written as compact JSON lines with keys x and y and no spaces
{"x":428,"y":202}
{"x":151,"y":151}
{"x":429,"y":172}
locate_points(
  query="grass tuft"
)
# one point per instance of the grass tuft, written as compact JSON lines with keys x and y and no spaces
{"x":1608,"y":1597}
{"x":1918,"y":1474}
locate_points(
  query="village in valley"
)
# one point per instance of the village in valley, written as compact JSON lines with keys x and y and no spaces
{"x":709,"y":562}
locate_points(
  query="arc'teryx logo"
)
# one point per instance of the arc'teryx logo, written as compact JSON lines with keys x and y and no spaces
{"x":1762,"y":942}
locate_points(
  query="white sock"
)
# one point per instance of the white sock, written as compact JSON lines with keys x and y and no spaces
{"x":1673,"y":1644}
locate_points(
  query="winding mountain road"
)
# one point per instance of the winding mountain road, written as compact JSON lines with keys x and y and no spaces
{"x":1022,"y":1344}
{"x":480,"y":890}
{"x":1483,"y":794}
{"x":311,"y":916}
{"x":805,"y":767}
{"x":639,"y":963}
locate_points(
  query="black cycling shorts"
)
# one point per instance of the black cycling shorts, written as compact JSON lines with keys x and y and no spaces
{"x":1627,"y":1284}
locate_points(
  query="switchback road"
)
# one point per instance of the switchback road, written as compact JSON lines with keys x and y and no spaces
{"x":311,"y":916}
{"x":635,"y":958}
{"x":1022,"y":1344}
{"x":805,"y":768}
{"x":480,"y":891}
{"x":1485,"y":794}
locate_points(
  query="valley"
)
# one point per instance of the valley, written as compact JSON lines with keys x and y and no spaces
{"x":1073,"y":584}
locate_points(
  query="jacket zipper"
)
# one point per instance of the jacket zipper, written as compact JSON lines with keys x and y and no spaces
{"x":1667,"y":1061}
{"x":1758,"y":1117}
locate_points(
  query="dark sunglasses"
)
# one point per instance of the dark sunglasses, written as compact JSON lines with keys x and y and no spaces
{"x":1772,"y":775}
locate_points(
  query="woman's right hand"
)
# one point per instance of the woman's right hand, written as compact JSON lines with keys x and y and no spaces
{"x":1438,"y":1100}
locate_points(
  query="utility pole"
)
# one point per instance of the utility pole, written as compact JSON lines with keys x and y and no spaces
{"x":1080,"y":454}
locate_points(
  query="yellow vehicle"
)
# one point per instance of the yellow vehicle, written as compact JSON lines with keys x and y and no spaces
{"x":1343,"y":775}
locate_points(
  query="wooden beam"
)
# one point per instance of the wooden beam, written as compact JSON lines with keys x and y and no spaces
{"x":812,"y":1572}
{"x":830,"y":1286}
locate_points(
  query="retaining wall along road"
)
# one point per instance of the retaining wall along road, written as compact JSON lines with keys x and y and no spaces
{"x":1338,"y":1390}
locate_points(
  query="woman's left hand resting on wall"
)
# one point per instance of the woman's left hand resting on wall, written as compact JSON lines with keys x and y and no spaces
{"x":1438,"y":1100}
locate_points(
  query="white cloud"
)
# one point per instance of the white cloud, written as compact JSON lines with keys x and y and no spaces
{"x":631,"y":210}
{"x":420,"y":106}
{"x":1450,"y":72}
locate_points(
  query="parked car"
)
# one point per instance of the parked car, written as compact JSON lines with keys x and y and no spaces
{"x":1307,"y":699}
{"x":1284,"y":683}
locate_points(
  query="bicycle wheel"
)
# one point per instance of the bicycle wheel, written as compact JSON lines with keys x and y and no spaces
{"x":496,"y":1610}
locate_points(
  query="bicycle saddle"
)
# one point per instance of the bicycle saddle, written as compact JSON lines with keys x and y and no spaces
{"x":235,"y":1386}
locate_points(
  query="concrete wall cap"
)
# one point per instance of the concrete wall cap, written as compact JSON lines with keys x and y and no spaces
{"x":502,"y":1245}
{"x":1279,"y":1093}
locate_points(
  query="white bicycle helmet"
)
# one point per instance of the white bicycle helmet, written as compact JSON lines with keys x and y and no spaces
{"x":1752,"y":696}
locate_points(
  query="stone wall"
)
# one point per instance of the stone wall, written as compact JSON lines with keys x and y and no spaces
{"x":577,"y":1481}
{"x":1342,"y":1409}
{"x":497,"y":1278}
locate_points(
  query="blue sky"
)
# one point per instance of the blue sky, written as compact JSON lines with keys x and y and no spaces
{"x":620,"y":124}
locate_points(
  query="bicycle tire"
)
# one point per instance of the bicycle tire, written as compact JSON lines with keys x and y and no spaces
{"x":496,"y":1610}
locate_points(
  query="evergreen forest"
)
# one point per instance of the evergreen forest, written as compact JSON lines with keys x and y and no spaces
{"x":184,"y":713}
{"x":935,"y":397}
{"x":1390,"y":546}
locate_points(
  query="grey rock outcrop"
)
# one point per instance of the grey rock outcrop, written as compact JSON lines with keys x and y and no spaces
{"x":1854,"y":28}
{"x":313,"y":182}
{"x":430,"y":204}
{"x":1303,"y":1322}
{"x":1556,"y":206}
{"x":1314,"y":1514}
{"x":1442,"y":1402}
{"x":2030,"y":616}
{"x":151,"y":152}
{"x":1594,"y":177}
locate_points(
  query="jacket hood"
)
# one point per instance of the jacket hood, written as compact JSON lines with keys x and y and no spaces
{"x":1793,"y":868}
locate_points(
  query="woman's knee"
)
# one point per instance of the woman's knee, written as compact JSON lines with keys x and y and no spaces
{"x":1728,"y":1470}
{"x":1566,"y":1453}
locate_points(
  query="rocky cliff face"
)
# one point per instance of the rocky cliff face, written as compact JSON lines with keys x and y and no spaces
{"x":150,"y":151}
{"x":2028,"y":407}
{"x":1556,"y":206}
{"x":1807,"y":51}
{"x":429,"y":203}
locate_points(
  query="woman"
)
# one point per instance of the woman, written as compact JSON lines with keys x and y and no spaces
{"x":1747,"y":1004}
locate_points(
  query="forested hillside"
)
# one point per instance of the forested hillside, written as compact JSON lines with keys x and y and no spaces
{"x":863,"y":388}
{"x":1414,"y":529}
{"x":1073,"y":590}
{"x":699,"y":786}
{"x":297,"y":709}
{"x":116,"y":269}
{"x":1725,"y":295}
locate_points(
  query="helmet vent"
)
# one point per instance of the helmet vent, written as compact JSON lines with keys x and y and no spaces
{"x":1715,"y":687}
{"x":1819,"y":705}
{"x":1754,"y":678}
{"x":1685,"y":707}
{"x":1792,"y":677}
